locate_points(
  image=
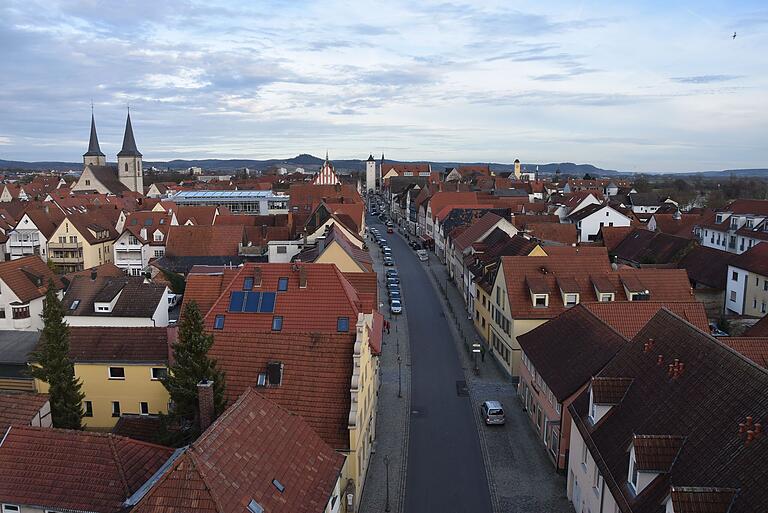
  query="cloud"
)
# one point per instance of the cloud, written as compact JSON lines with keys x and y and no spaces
{"x":705,"y":79}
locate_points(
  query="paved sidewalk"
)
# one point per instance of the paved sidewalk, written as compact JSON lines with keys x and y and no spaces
{"x":520,"y":475}
{"x":393,"y":416}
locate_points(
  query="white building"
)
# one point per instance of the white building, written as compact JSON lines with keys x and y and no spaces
{"x":23,"y":284}
{"x":142,"y":238}
{"x":589,"y":220}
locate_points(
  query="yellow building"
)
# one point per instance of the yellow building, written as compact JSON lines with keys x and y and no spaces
{"x":120,"y":370}
{"x":483,"y":287}
{"x":82,"y":241}
{"x":747,"y":285}
{"x":336,"y":248}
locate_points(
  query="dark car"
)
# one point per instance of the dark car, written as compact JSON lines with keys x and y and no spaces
{"x":388,"y":261}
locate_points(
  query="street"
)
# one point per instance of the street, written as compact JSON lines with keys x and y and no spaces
{"x":445,"y":470}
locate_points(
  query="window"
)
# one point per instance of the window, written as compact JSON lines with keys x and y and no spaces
{"x":115,"y":408}
{"x":159,"y":373}
{"x":540,"y":300}
{"x":116,"y":373}
{"x":8,"y":508}
{"x":605,"y":298}
{"x":218,"y":323}
{"x":765,"y":285}
{"x":144,"y":408}
{"x":584,"y":454}
{"x":571,"y":299}
{"x":342,"y":324}
{"x":21,"y":312}
{"x":282,"y":249}
{"x":762,"y":307}
{"x":248,"y":283}
{"x":277,"y":323}
{"x":633,"y":471}
{"x":733,"y":296}
{"x":87,"y":409}
{"x":158,"y":253}
{"x":87,"y":182}
{"x":2,"y":313}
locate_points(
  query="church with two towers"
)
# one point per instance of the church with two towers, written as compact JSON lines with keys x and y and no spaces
{"x":98,"y":177}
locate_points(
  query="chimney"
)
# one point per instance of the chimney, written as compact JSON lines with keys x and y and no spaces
{"x":660,"y":360}
{"x":302,"y":277}
{"x":257,"y":276}
{"x":93,"y":274}
{"x":205,"y":403}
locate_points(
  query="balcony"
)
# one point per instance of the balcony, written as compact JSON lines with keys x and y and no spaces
{"x":78,"y":259}
{"x":68,"y":246}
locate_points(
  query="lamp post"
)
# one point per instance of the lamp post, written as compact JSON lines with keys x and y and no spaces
{"x":399,"y":377}
{"x":386,"y":465}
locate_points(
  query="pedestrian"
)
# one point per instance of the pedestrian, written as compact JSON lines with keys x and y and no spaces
{"x":482,"y":353}
{"x":387,"y":324}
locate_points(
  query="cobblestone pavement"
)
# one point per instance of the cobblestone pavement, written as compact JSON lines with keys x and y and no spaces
{"x":392,"y":420}
{"x":520,"y":475}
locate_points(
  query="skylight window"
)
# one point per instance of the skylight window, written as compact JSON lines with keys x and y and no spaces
{"x":74,"y":304}
{"x":277,"y":323}
{"x":248,"y":283}
{"x":255,"y":507}
{"x":282,"y":284}
{"x":342,"y":324}
{"x":218,"y":323}
{"x":278,"y":485}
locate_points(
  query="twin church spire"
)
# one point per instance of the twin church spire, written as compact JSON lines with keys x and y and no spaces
{"x":129,"y":164}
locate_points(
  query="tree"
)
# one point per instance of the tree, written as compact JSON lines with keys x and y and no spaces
{"x":191,"y":365}
{"x":642,"y":184}
{"x":587,"y":176}
{"x":54,"y":367}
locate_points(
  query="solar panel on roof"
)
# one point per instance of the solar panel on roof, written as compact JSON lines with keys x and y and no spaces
{"x":252,"y":302}
{"x":267,"y":302}
{"x":236,"y":299}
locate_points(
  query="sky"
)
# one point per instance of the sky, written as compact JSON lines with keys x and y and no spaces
{"x":632,"y":86}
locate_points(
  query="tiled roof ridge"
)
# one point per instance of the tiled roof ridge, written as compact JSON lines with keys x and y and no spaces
{"x":601,"y":321}
{"x":118,"y":464}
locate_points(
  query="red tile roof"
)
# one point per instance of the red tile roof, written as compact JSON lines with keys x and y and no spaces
{"x":236,"y":460}
{"x":614,"y":235}
{"x":440,"y":200}
{"x":476,"y":230}
{"x":19,"y":408}
{"x":28,"y":277}
{"x":754,"y":260}
{"x":759,"y":329}
{"x":206,"y":286}
{"x":305,"y":197}
{"x":707,"y":266}
{"x":629,"y":317}
{"x":681,"y":226}
{"x":118,"y":344}
{"x":562,"y":233}
{"x":199,"y":215}
{"x":204,"y":240}
{"x":74,"y":470}
{"x":656,"y":453}
{"x":754,"y":348}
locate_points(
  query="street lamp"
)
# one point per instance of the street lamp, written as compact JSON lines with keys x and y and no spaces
{"x":386,"y":464}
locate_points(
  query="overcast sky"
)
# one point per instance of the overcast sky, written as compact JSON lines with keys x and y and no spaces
{"x":652,"y":86}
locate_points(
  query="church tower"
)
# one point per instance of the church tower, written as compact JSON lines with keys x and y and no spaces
{"x":370,"y":174}
{"x":129,"y":167}
{"x":94,"y":156}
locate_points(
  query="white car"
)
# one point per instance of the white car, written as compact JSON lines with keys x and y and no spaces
{"x":422,"y":254}
{"x":395,"y":306}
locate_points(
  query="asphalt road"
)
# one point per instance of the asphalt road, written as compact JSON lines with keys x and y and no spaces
{"x":445,"y":471}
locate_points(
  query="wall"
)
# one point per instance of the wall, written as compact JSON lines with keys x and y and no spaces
{"x":33,"y":323}
{"x":581,"y":492}
{"x":590,"y":225}
{"x":735,"y":290}
{"x":125,"y":322}
{"x":101,"y":391}
{"x":88,"y":182}
{"x":757,"y":290}
{"x":333,"y":254}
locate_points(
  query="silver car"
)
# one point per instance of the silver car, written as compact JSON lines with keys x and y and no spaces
{"x":492,"y":412}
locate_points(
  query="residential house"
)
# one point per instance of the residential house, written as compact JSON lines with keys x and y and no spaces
{"x":736,"y":227}
{"x":234,"y":466}
{"x":672,"y":423}
{"x":108,"y":301}
{"x":527,"y":291}
{"x":204,"y":241}
{"x":612,"y":236}
{"x":15,"y":347}
{"x":460,"y":247}
{"x":754,"y":348}
{"x":23,"y":284}
{"x":553,"y":234}
{"x":759,"y":329}
{"x":335,"y":248}
{"x":575,"y":201}
{"x":645,"y":247}
{"x":390,"y":169}
{"x":646,"y":203}
{"x":270,"y":333}
{"x":591,"y":218}
{"x":435,"y":204}
{"x":142,"y":237}
{"x":677,"y":223}
{"x":82,"y":241}
{"x":747,"y":278}
{"x":561,"y":356}
{"x":120,"y":369}
{"x":707,"y":270}
{"x":47,"y":470}
{"x":24,"y":409}
{"x":32,"y":232}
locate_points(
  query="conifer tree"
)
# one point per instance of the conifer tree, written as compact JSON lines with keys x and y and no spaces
{"x":53,"y":366}
{"x":191,"y":365}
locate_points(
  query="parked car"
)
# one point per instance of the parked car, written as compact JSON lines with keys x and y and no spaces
{"x":390,"y":230}
{"x":415,"y":245}
{"x":422,"y":254}
{"x":392,"y":273}
{"x":382,"y":241}
{"x":393,"y":287}
{"x":492,"y":412}
{"x":715,"y":330}
{"x":394,"y":294}
{"x":395,"y":306}
{"x":386,"y":253}
{"x":388,"y":261}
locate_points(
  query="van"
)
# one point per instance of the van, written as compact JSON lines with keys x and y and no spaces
{"x":492,"y":413}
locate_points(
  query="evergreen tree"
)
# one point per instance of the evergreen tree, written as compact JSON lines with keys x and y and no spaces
{"x":54,"y":366}
{"x":191,"y":365}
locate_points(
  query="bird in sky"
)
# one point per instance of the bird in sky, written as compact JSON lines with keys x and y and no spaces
{"x":734,"y":35}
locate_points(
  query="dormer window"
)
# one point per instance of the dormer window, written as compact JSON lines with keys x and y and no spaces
{"x":640,"y":296}
{"x":541,"y":300}
{"x":606,"y":297}
{"x":571,"y":299}
{"x":633,"y":472}
{"x":719,"y":218}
